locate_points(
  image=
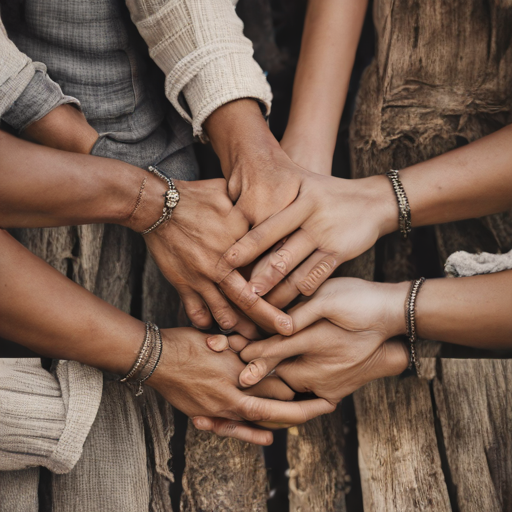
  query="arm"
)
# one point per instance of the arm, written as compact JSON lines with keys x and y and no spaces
{"x":337,"y":220}
{"x":334,"y":358}
{"x":329,"y":42}
{"x":45,"y":311}
{"x":41,"y":186}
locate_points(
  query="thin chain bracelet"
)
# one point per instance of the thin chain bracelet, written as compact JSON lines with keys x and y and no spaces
{"x":171,"y":199}
{"x":142,"y":357}
{"x":404,"y":211}
{"x":410,"y":322}
{"x":139,"y":197}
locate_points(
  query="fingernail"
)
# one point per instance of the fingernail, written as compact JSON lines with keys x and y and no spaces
{"x":225,"y":331}
{"x":250,"y":375}
{"x":201,"y":423}
{"x":285,"y":323}
{"x":218,"y":343}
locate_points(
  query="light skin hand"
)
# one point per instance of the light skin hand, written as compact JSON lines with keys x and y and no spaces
{"x":187,"y":250}
{"x":202,"y":383}
{"x":331,"y":221}
{"x":325,"y":360}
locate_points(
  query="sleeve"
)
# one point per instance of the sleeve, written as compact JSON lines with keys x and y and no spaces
{"x":27,"y":93}
{"x":45,"y":419}
{"x":200,"y":47}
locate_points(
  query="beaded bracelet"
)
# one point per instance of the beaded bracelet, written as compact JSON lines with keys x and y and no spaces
{"x":171,"y":199}
{"x":147,"y":359}
{"x":410,"y":322}
{"x":404,"y":211}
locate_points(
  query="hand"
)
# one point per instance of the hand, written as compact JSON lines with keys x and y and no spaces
{"x":356,"y":305}
{"x":325,"y":359}
{"x":332,"y":220}
{"x":188,"y":248}
{"x":200,"y":382}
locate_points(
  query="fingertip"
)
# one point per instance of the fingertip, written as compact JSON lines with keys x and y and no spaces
{"x":202,"y":423}
{"x":250,"y":375}
{"x":267,"y":439}
{"x":284,"y":325}
{"x":217,"y":343}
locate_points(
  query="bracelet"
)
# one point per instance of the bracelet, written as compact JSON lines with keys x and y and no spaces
{"x":171,"y":199}
{"x":404,"y":211}
{"x":410,"y":322}
{"x":147,"y":359}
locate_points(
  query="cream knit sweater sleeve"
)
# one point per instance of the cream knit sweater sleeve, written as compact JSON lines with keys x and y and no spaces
{"x":200,"y":46}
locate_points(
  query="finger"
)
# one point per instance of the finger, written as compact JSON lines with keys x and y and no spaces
{"x":261,"y":409}
{"x":271,"y":387}
{"x":237,"y":343}
{"x":306,"y":279}
{"x":270,"y":318}
{"x":221,"y":310}
{"x":306,"y":313}
{"x":196,"y":309}
{"x":265,"y":355}
{"x":217,"y":343}
{"x":235,"y":429}
{"x":245,"y":326}
{"x":264,"y":236}
{"x":279,"y":263}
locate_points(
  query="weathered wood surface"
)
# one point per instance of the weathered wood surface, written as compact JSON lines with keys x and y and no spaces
{"x":399,"y":460}
{"x":473,"y":399}
{"x":222,"y":475}
{"x":317,"y":471}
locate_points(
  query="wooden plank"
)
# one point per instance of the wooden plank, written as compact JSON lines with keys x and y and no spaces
{"x":399,"y":460}
{"x":475,"y":411}
{"x":222,"y":475}
{"x":317,"y":472}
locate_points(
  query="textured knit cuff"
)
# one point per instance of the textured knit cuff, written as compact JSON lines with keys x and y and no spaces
{"x":210,"y":81}
{"x":39,"y":98}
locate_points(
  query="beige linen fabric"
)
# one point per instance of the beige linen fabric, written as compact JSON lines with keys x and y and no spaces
{"x":45,"y":419}
{"x":201,"y":48}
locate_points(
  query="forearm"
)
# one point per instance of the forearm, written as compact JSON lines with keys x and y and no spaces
{"x":66,"y":128}
{"x":474,"y":311}
{"x":329,"y":43}
{"x":44,"y":187}
{"x":50,"y":314}
{"x":469,"y":182}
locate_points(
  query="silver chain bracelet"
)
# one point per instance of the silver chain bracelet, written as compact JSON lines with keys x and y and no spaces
{"x":410,"y":323}
{"x":404,"y":211}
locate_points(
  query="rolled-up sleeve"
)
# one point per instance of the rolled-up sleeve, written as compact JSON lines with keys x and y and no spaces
{"x":201,"y":48}
{"x":45,"y":419}
{"x":27,"y":93}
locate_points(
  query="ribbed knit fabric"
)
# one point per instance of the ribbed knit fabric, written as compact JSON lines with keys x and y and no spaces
{"x":201,"y":48}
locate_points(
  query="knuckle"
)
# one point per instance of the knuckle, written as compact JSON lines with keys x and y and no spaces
{"x":226,"y":429}
{"x":281,"y":261}
{"x":317,"y":275}
{"x":252,"y":410}
{"x":247,"y":298}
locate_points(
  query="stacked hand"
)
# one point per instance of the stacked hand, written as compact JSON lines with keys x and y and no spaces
{"x":342,"y":341}
{"x":200,"y":382}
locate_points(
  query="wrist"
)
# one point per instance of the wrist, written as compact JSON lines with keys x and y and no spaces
{"x":396,"y":295}
{"x":144,"y":201}
{"x":239,"y":133}
{"x":385,"y":207}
